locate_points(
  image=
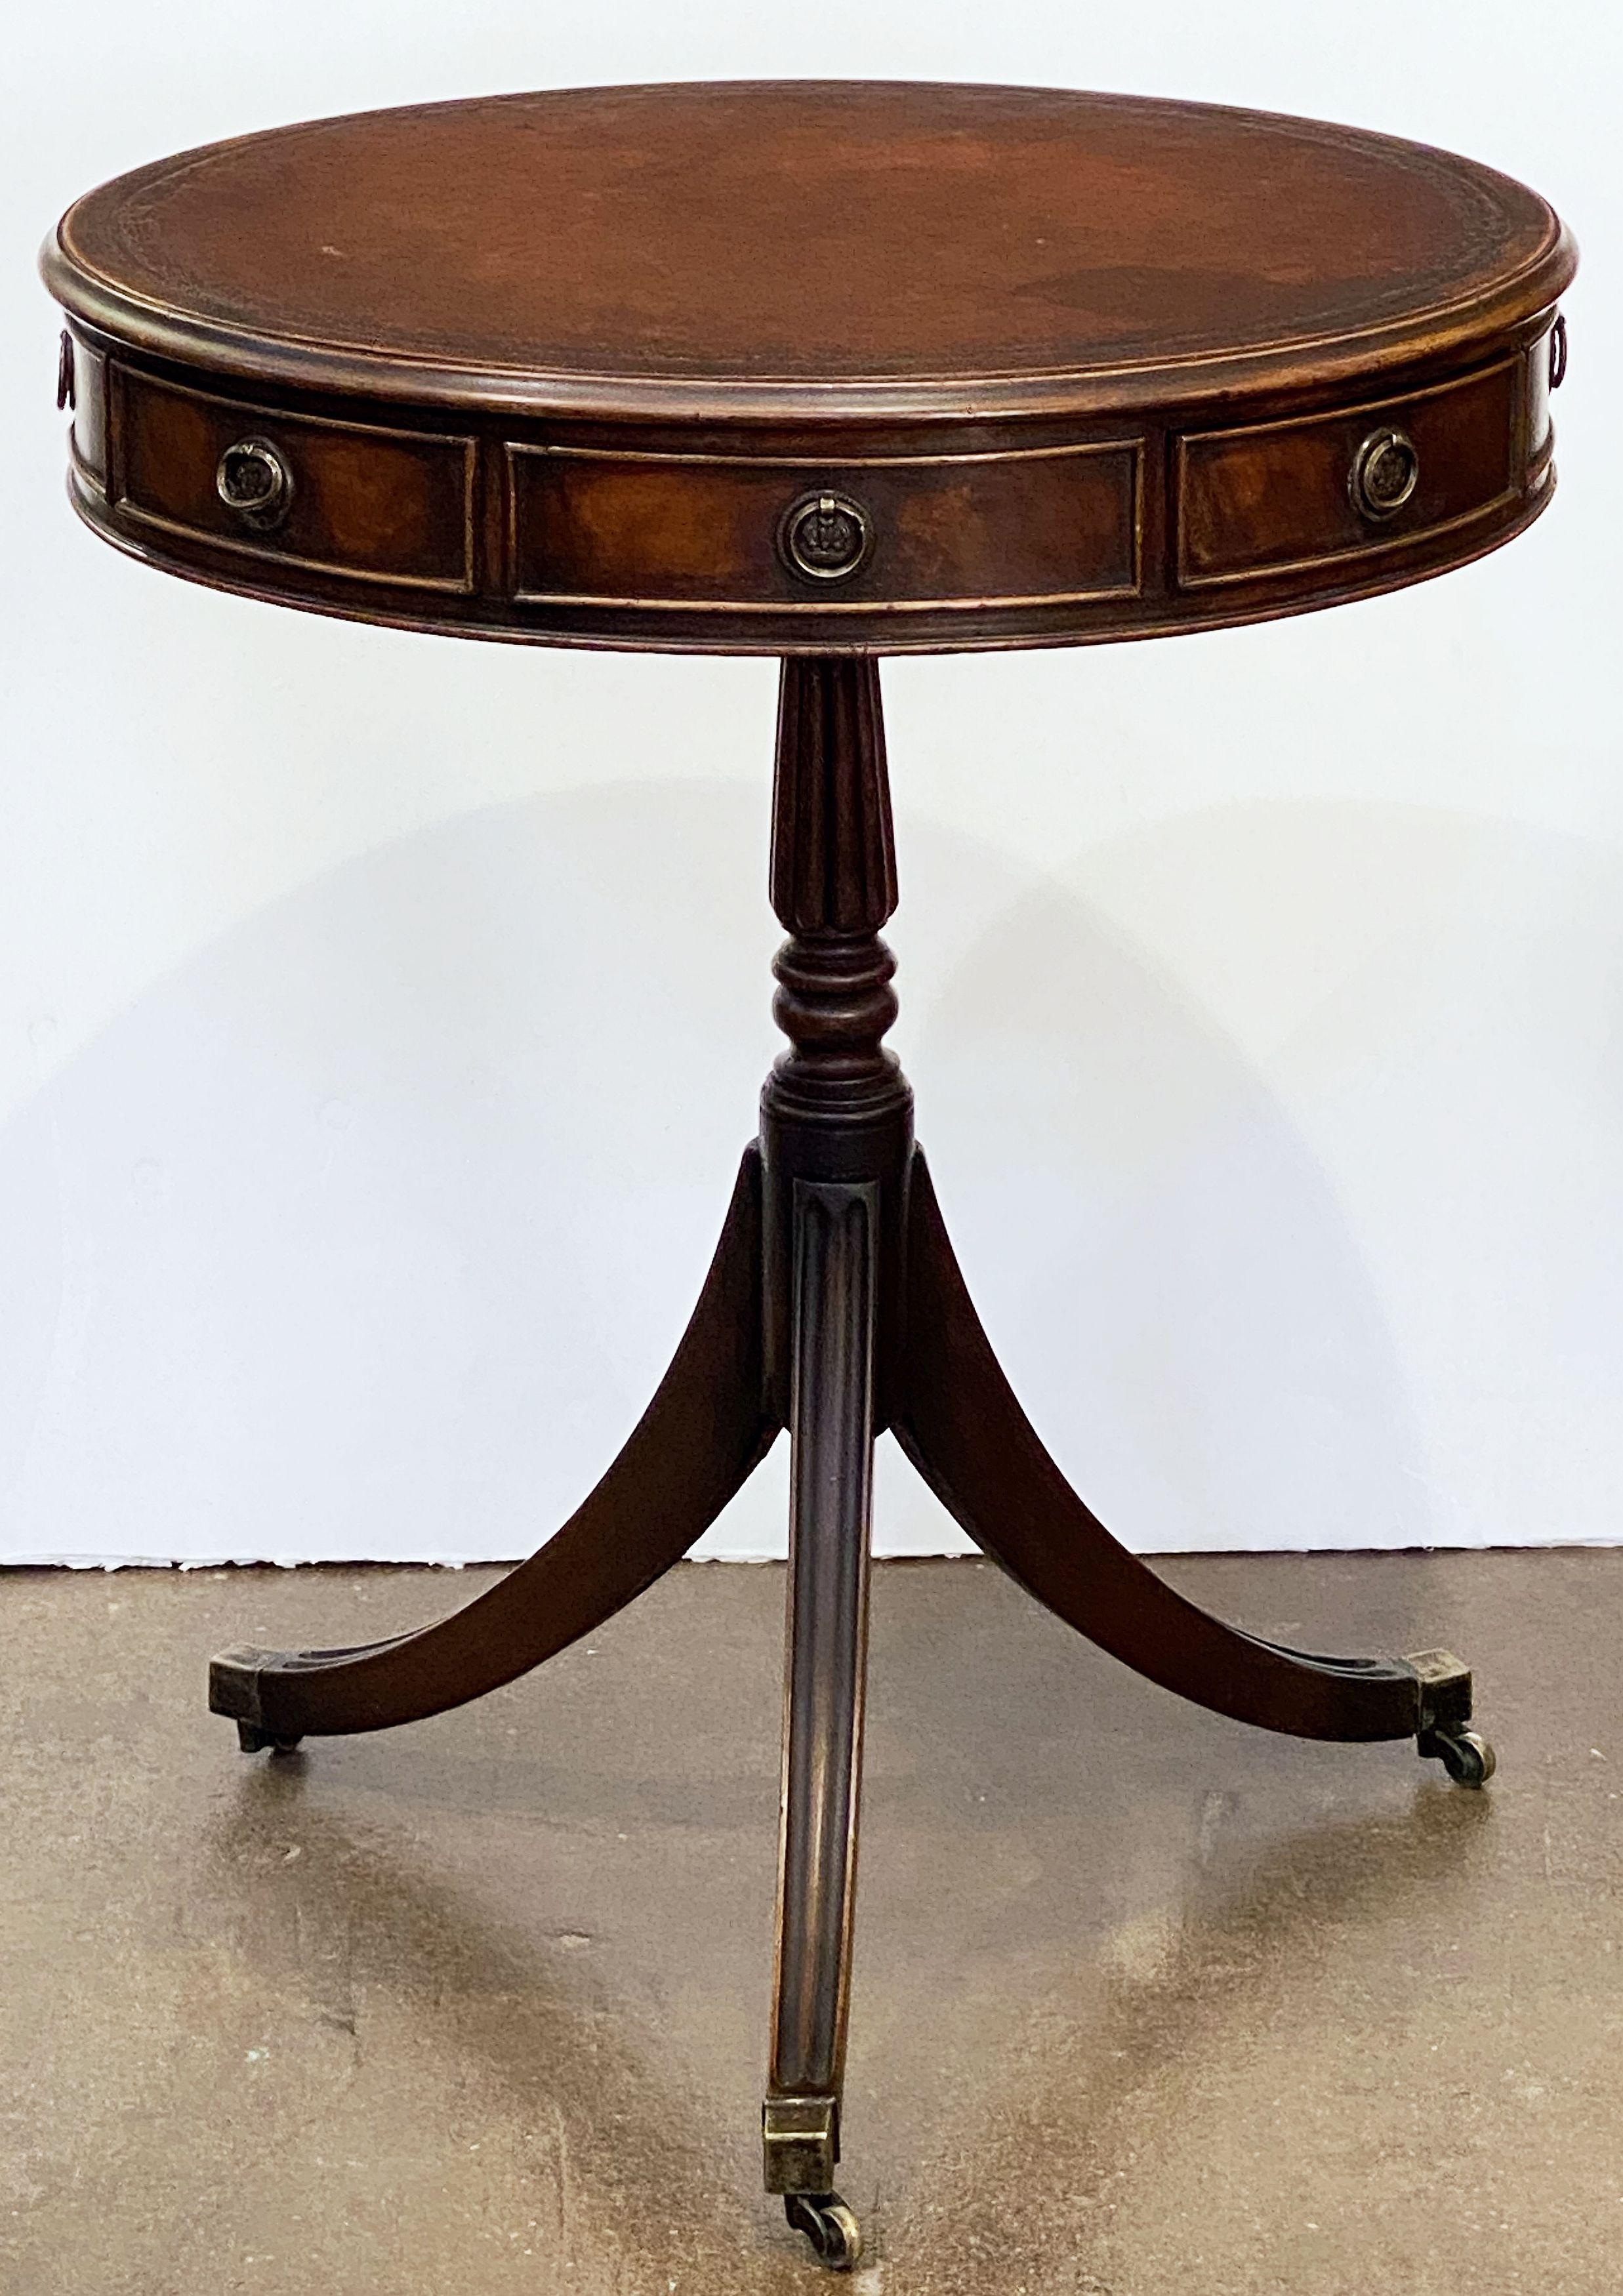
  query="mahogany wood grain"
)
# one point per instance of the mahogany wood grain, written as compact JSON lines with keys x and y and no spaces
{"x":1275,"y":498}
{"x":963,"y":1428}
{"x":824,"y":369}
{"x":556,"y":368}
{"x":702,"y":1436}
{"x":370,"y":503}
{"x":1041,"y":525}
{"x":760,"y":248}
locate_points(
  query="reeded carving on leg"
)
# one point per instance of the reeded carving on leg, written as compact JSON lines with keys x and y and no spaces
{"x":833,"y":885}
{"x":833,"y":854}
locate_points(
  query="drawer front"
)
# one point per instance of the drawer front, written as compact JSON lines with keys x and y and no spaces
{"x":898,"y":535}
{"x":1541,"y":367}
{"x":335,"y":497}
{"x":1278,"y":497}
{"x":88,"y":375}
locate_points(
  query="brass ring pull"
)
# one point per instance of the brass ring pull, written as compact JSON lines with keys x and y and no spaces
{"x":1558,"y":351}
{"x":826,"y":537}
{"x":255,"y":481}
{"x":1385,"y":472}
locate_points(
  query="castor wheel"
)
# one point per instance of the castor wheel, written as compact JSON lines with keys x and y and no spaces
{"x":1464,"y":1754}
{"x":829,"y":2225}
{"x":254,"y":1740}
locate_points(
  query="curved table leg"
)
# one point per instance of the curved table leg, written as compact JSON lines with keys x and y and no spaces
{"x":963,"y":1428}
{"x":705,"y":1430}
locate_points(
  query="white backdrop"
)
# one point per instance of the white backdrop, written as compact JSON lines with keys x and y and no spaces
{"x":380,"y":1017}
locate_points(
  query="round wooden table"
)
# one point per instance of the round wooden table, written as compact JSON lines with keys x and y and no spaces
{"x":826,"y":370}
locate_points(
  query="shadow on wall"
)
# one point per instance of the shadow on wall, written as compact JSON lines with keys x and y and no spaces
{"x":367,"y":1233}
{"x":1162,"y":1259}
{"x":1345,"y":1269}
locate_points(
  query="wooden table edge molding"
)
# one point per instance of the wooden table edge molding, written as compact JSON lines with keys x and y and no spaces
{"x":828,"y":370}
{"x":1454,"y":324}
{"x":1141,"y":441}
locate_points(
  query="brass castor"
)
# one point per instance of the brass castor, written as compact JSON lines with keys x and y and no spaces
{"x":254,"y":1740}
{"x":829,"y":2225}
{"x":1464,"y":1754}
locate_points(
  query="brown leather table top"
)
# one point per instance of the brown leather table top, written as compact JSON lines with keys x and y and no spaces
{"x":806,"y":247}
{"x":811,"y":366}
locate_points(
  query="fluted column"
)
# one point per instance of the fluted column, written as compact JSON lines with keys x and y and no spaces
{"x":832,"y":887}
{"x":836,"y":1108}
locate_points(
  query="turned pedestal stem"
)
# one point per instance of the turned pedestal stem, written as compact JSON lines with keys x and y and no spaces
{"x":836,"y":1136}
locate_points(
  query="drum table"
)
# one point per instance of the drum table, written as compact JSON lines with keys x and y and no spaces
{"x":823,"y":371}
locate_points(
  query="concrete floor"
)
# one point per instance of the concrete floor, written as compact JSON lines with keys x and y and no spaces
{"x":1143,"y":2001}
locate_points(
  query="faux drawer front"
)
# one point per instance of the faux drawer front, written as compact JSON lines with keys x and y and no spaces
{"x":1279,"y":497}
{"x":647,"y":531}
{"x":384,"y":505}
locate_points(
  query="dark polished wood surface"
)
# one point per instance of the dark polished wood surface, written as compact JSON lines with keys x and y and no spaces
{"x":568,"y":367}
{"x":835,"y":1307}
{"x":825,"y":371}
{"x":728,"y":248}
